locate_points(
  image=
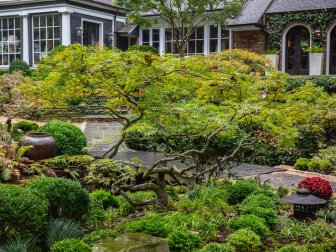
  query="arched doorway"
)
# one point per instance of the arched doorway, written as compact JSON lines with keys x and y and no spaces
{"x":297,"y":50}
{"x":332,"y":64}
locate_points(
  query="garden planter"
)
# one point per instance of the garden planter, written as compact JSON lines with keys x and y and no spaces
{"x":44,"y":146}
{"x":274,"y":58}
{"x":316,"y":63}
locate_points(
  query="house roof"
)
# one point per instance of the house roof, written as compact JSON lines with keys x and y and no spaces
{"x":279,"y":6}
{"x":251,"y":13}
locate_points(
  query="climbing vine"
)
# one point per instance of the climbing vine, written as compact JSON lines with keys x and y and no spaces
{"x":278,"y":22}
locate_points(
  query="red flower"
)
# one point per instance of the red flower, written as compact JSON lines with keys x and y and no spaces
{"x":317,"y":186}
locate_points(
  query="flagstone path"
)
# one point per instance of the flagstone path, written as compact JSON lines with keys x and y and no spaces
{"x":103,"y":135}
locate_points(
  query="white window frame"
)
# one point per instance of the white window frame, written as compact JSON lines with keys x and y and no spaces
{"x":101,"y":30}
{"x":19,"y":41}
{"x":32,"y":30}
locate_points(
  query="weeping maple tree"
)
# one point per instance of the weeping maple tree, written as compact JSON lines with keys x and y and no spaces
{"x":225,"y":94}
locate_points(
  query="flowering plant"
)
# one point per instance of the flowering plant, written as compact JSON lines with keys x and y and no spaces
{"x":317,"y":186}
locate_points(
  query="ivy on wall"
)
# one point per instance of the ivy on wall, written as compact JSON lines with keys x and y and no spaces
{"x":278,"y":22}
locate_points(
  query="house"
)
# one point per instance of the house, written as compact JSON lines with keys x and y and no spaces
{"x":30,"y":29}
{"x":291,"y":27}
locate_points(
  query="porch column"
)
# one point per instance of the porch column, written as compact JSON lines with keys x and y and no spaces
{"x":25,"y":39}
{"x":206,"y":39}
{"x":66,"y":28}
{"x":162,"y":40}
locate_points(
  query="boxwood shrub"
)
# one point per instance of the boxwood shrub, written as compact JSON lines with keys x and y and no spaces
{"x":22,"y":212}
{"x":20,"y":65}
{"x":240,"y":190}
{"x":255,"y":223}
{"x":67,"y":198}
{"x":70,"y":245}
{"x":22,"y":128}
{"x":69,"y":138}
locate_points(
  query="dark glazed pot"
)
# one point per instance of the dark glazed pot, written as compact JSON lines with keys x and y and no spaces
{"x":44,"y":146}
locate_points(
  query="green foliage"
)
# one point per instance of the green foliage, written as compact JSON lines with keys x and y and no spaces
{"x":67,"y":198}
{"x":306,"y":231}
{"x":328,"y":213}
{"x":183,"y":241}
{"x":327,"y":154}
{"x":70,"y":245}
{"x":261,"y":209}
{"x":22,"y":213}
{"x":62,"y":229}
{"x":144,"y":48}
{"x":326,"y":82}
{"x":76,"y":162}
{"x":272,"y":51}
{"x":217,"y":247}
{"x":320,"y":165}
{"x":22,"y":128}
{"x":20,"y":65}
{"x":18,"y":245}
{"x":137,"y":140}
{"x":302,"y":164}
{"x":244,"y":240}
{"x":255,"y":223}
{"x":317,"y":49}
{"x":289,"y":248}
{"x":103,"y":172}
{"x":240,"y":190}
{"x":278,"y":22}
{"x":99,"y":235}
{"x":69,"y":138}
{"x":104,"y":198}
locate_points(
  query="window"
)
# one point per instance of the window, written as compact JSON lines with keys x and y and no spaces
{"x":10,"y":43}
{"x":219,"y":39}
{"x":195,"y":44}
{"x":145,"y":37}
{"x":156,"y":38}
{"x":46,"y":35}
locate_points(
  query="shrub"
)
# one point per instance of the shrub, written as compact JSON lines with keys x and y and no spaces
{"x":319,"y":165}
{"x":22,"y":213}
{"x":289,"y":248}
{"x":76,"y":162}
{"x":260,"y":200}
{"x":70,"y":245}
{"x":240,"y":190}
{"x":270,"y":194}
{"x":328,"y":213}
{"x":245,"y":240}
{"x":138,"y":140}
{"x":217,"y":247}
{"x":327,"y":154}
{"x":144,"y":48}
{"x":104,"y":198}
{"x":21,"y":128}
{"x":20,"y":65}
{"x":61,"y":229}
{"x":302,"y":164}
{"x":67,"y":198}
{"x":268,"y":214}
{"x":69,"y":138}
{"x":317,"y":186}
{"x":183,"y":241}
{"x":99,"y":235}
{"x":18,"y":245}
{"x":255,"y":223}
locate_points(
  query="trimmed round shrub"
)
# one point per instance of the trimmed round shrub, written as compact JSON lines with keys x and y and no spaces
{"x":183,"y":241}
{"x":99,"y":235}
{"x":259,"y":200}
{"x":67,"y":198}
{"x":22,"y":128}
{"x":20,"y":65}
{"x":302,"y":164}
{"x":269,"y":215}
{"x":240,"y":190}
{"x":245,"y":240}
{"x":217,"y":247}
{"x":255,"y":223}
{"x":317,"y":186}
{"x":69,"y":138}
{"x":70,"y":245}
{"x":104,"y":198}
{"x":22,"y":212}
{"x":144,"y":48}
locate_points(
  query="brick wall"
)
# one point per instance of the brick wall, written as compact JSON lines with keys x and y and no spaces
{"x":251,"y":40}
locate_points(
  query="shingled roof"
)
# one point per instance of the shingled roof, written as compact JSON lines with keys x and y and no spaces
{"x":279,"y":6}
{"x":251,"y":13}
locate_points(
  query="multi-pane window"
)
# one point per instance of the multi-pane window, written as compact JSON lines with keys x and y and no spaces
{"x":10,"y":43}
{"x":46,"y":35}
{"x":156,"y":38}
{"x":195,"y":44}
{"x":219,"y":39}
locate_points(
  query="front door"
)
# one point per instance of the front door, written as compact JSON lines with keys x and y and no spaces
{"x":90,"y":34}
{"x":297,"y":51}
{"x":333,"y":52}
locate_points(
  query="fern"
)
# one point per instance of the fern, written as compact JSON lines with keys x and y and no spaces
{"x":22,"y":150}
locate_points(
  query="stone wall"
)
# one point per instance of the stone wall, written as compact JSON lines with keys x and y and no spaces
{"x":250,"y":40}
